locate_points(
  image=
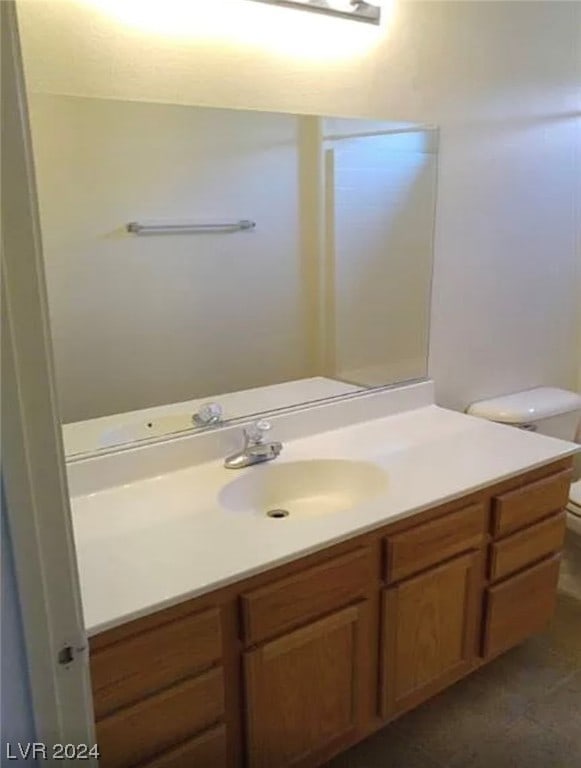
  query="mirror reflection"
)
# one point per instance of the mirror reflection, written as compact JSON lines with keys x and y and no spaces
{"x":205,"y":264}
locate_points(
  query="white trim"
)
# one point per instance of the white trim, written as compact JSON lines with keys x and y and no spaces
{"x":33,"y":462}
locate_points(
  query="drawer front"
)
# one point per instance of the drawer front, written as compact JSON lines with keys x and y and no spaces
{"x":425,"y":545}
{"x":205,"y":751}
{"x":134,"y":735}
{"x":523,"y":506}
{"x":306,"y":595}
{"x":129,"y":670}
{"x":527,"y":546}
{"x":520,"y":606}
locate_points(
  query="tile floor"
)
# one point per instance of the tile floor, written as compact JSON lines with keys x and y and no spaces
{"x":521,"y":711}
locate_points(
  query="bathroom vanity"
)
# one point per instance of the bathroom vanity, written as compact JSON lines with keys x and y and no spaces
{"x":326,"y":635}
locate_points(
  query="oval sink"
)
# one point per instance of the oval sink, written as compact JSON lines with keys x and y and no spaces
{"x":304,"y":488}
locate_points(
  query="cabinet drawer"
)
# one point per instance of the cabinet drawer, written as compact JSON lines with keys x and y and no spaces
{"x":520,"y":606}
{"x":527,"y":546}
{"x":425,"y":545}
{"x":205,"y":751}
{"x":518,"y":508}
{"x":293,"y":601}
{"x":159,"y":722}
{"x":127,"y":671}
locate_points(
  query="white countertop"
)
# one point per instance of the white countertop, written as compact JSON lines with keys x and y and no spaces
{"x":158,"y":541}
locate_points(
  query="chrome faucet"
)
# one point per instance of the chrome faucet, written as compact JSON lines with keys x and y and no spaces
{"x":256,"y":449}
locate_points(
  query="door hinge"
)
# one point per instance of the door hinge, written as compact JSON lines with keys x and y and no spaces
{"x":70,"y":653}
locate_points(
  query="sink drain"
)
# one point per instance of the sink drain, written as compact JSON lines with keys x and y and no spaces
{"x":278,"y":513}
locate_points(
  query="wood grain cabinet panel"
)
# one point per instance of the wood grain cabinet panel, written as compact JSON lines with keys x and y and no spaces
{"x":520,"y":606}
{"x":425,"y":545}
{"x":138,"y":733}
{"x":208,"y":750}
{"x":430,"y":632}
{"x":295,"y":600}
{"x":136,"y":666}
{"x":322,"y":652}
{"x":531,"y":502}
{"x":303,"y":690}
{"x":527,"y":546}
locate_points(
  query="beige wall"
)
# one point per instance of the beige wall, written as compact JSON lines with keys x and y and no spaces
{"x":500,"y":78}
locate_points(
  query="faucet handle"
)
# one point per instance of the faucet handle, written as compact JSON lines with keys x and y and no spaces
{"x":254,"y":434}
{"x":209,"y":413}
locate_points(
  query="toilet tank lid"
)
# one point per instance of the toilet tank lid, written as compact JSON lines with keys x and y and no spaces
{"x":528,"y":406}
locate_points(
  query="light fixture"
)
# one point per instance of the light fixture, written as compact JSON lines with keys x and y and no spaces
{"x":358,"y":10}
{"x":230,"y":28}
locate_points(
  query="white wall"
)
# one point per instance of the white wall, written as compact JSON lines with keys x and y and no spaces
{"x":141,"y":321}
{"x":501,"y":79}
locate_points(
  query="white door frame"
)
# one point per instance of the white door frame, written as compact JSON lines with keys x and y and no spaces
{"x":33,"y":468}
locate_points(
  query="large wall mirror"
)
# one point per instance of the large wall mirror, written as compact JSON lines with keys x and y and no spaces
{"x":250,"y":259}
{"x":197,"y":255}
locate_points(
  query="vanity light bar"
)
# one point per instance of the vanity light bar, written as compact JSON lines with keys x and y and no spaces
{"x":135,"y":228}
{"x":357,"y":10}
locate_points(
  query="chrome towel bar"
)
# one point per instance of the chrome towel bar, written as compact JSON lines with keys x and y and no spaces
{"x":135,"y":228}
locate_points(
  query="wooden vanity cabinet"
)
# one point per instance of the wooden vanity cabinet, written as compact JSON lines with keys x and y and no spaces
{"x":207,"y":750}
{"x":528,"y":526}
{"x":431,"y":614}
{"x":310,"y":682}
{"x":128,"y":669}
{"x":289,"y":667}
{"x":423,"y":546}
{"x":304,"y":690}
{"x":157,"y":723}
{"x":430,"y":626}
{"x":523,"y":506}
{"x":520,"y":606}
{"x":158,"y":684}
{"x":535,"y":543}
{"x":313,"y":592}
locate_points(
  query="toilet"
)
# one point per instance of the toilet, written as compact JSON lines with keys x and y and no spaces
{"x":548,"y":411}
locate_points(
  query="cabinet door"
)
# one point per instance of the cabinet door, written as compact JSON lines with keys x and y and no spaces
{"x":430,"y":632}
{"x":304,"y":690}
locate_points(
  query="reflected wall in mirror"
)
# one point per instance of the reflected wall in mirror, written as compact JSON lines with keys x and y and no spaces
{"x":328,"y":294}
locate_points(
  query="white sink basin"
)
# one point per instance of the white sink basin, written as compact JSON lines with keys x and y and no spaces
{"x":303,"y":488}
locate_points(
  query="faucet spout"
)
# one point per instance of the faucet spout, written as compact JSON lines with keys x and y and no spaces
{"x":256,"y":449}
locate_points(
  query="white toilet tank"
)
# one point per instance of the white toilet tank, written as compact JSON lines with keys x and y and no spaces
{"x":547,"y":410}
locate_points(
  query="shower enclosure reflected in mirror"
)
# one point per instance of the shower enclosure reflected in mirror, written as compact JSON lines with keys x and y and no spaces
{"x":272,"y":260}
